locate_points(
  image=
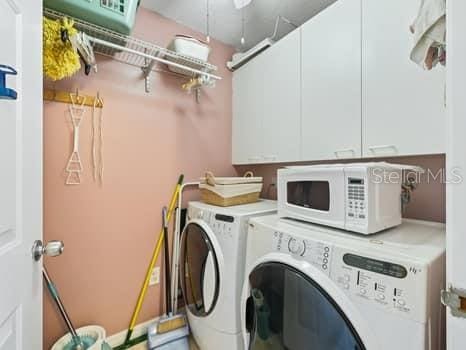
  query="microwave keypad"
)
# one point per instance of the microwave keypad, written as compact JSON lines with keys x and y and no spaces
{"x":356,"y":201}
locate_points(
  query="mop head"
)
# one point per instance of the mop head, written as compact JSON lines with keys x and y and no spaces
{"x":89,"y":338}
{"x":83,"y":342}
{"x":171,"y":323}
{"x":174,"y":340}
{"x":60,"y":58}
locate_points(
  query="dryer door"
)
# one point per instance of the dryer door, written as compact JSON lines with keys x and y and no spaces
{"x":286,"y":309}
{"x":199,"y":271}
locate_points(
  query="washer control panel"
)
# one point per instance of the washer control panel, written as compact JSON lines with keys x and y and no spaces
{"x":384,"y":282}
{"x":316,"y":253}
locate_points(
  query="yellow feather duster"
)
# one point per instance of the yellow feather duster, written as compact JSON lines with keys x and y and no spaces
{"x":60,"y":58}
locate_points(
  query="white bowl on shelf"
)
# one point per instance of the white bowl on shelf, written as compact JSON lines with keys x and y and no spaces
{"x":189,"y":46}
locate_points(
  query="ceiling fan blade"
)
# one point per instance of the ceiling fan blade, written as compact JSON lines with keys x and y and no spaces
{"x":241,"y":3}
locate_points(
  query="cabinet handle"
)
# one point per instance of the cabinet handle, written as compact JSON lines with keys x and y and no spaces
{"x":374,"y":149}
{"x":254,"y":159}
{"x":270,"y":157}
{"x":338,"y":151}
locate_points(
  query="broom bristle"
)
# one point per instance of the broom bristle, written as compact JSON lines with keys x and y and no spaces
{"x":171,"y":324}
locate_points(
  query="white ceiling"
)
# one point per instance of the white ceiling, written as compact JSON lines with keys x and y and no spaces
{"x":225,"y":19}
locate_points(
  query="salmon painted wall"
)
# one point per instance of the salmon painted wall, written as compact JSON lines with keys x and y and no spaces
{"x":428,"y":200}
{"x":149,"y":139}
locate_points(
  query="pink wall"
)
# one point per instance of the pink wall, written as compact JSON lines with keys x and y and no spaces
{"x":428,"y":200}
{"x":109,"y":231}
{"x":149,"y":139}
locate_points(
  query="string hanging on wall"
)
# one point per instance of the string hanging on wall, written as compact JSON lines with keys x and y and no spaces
{"x":208,"y":21}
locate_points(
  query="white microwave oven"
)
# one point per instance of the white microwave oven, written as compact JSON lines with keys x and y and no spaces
{"x":358,"y":197}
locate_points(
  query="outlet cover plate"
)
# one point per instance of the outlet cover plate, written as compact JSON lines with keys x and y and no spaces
{"x":155,"y":276}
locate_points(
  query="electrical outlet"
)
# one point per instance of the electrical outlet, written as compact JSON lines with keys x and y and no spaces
{"x":155,"y":276}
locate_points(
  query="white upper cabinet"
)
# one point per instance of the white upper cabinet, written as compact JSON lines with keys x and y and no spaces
{"x":266,"y":105}
{"x":331,"y":83}
{"x":281,"y":93}
{"x":247,"y":114}
{"x":403,"y":105}
{"x":342,"y":86}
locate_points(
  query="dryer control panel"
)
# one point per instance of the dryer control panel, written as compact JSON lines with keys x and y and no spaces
{"x":365,"y":276}
{"x":223,"y":226}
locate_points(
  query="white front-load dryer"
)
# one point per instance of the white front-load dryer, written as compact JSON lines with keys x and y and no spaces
{"x":212,"y":261}
{"x":311,"y":287}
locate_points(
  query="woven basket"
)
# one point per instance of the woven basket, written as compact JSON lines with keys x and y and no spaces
{"x":211,"y":197}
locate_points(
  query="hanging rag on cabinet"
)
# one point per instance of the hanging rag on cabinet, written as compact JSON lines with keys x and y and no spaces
{"x":429,"y":29}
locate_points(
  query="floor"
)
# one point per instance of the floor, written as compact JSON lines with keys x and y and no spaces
{"x":143,"y":346}
{"x":193,"y":345}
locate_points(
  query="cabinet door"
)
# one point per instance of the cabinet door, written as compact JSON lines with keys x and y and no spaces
{"x":403,"y":105}
{"x":247,"y":114}
{"x":331,"y":83}
{"x":281,"y":96}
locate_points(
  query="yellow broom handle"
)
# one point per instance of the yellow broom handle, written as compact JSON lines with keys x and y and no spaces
{"x":155,"y":255}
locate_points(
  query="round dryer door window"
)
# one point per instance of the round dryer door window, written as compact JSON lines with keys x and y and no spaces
{"x":288,"y":310}
{"x":198,"y":270}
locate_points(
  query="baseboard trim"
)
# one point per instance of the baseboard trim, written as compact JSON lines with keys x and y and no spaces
{"x":140,"y":329}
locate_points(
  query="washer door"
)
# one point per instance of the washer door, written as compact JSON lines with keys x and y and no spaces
{"x":199,"y":272}
{"x":286,"y":309}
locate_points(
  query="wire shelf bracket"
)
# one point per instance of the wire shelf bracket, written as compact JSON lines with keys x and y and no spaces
{"x":146,"y":71}
{"x":142,"y":54}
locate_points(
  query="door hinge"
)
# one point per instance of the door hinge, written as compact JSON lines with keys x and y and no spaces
{"x":455,"y":299}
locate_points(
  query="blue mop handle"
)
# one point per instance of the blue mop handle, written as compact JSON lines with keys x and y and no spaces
{"x":5,"y":92}
{"x":56,"y":298}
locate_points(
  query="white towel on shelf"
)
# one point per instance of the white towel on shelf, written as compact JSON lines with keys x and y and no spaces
{"x":429,"y":31}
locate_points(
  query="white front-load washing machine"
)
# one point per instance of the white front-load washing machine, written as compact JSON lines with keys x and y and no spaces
{"x":212,"y":261}
{"x":311,"y":287}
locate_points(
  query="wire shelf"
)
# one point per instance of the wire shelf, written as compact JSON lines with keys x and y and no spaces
{"x":137,"y":52}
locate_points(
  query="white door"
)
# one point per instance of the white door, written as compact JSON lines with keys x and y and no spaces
{"x":403,"y":106}
{"x":456,"y":161}
{"x":21,"y":177}
{"x":331,"y":83}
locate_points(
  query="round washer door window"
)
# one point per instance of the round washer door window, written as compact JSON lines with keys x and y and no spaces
{"x":287,"y":310}
{"x":199,"y":272}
